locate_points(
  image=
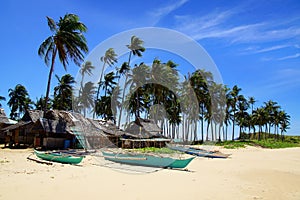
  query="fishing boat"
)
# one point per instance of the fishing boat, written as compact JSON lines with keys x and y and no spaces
{"x":146,"y":160}
{"x":58,"y":157}
{"x":198,"y":152}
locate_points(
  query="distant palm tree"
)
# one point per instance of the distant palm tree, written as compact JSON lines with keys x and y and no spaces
{"x":271,"y":108}
{"x":235,"y":96}
{"x":259,"y":116}
{"x":284,"y":122}
{"x":63,"y":92}
{"x":19,"y":101}
{"x":86,"y":98}
{"x":86,"y":68}
{"x":67,"y":41}
{"x":2,"y":99}
{"x":40,"y":103}
{"x":136,"y":48}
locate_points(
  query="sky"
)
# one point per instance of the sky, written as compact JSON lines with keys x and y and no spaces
{"x":254,"y":44}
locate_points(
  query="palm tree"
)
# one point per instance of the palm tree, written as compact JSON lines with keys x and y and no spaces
{"x":110,"y":58}
{"x":271,"y":108}
{"x":86,"y":68}
{"x":67,"y":41}
{"x":86,"y":98}
{"x":136,"y":48}
{"x":235,"y":96}
{"x":259,"y":116}
{"x":284,"y":122}
{"x":2,"y":99}
{"x":63,"y":93}
{"x":19,"y":101}
{"x":40,"y":103}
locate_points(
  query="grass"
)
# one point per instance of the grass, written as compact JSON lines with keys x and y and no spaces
{"x":271,"y":143}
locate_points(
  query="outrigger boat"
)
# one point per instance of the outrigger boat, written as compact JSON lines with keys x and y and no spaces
{"x":146,"y":160}
{"x":198,"y":152}
{"x":58,"y":157}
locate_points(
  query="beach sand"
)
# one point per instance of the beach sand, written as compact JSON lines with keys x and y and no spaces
{"x":250,"y":173}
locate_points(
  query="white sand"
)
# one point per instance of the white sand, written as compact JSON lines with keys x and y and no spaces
{"x":250,"y":173}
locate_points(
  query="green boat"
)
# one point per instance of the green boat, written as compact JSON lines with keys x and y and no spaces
{"x":58,"y":157}
{"x":146,"y":160}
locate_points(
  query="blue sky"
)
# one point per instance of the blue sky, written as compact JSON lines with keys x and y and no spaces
{"x":255,"y":44}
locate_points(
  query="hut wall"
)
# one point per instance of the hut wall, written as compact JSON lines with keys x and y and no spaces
{"x":53,"y":143}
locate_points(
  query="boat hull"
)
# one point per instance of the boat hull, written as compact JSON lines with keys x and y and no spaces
{"x":58,"y":157}
{"x":198,"y":152}
{"x":147,"y":160}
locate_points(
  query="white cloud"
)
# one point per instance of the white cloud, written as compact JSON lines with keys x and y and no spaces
{"x":160,"y":12}
{"x":271,"y":48}
{"x":219,"y":25}
{"x":297,"y":55}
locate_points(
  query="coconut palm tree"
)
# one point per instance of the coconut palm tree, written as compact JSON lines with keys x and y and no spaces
{"x":19,"y":101}
{"x":235,"y":96}
{"x":2,"y":99}
{"x":40,"y":103}
{"x":85,"y":100}
{"x":271,"y":108}
{"x":63,"y":93}
{"x":136,"y":48}
{"x":284,"y":122}
{"x":86,"y":68}
{"x":259,"y":116}
{"x":67,"y":42}
{"x":110,"y":58}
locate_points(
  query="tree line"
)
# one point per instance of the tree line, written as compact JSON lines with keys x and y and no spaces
{"x":155,"y":92}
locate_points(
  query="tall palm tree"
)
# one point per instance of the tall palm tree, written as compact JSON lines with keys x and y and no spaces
{"x":63,"y":92}
{"x":67,"y":41}
{"x":271,"y":108}
{"x":2,"y":99}
{"x":19,"y":101}
{"x":110,"y":58}
{"x":136,"y":48}
{"x":259,"y":116}
{"x":235,"y":96}
{"x":86,"y":68}
{"x":284,"y":122}
{"x":85,"y":100}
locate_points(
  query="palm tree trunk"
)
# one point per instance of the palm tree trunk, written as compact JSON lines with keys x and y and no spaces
{"x":123,"y":95}
{"x":98,"y":90}
{"x":49,"y":80}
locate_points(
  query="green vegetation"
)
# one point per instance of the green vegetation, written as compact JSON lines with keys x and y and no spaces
{"x":155,"y":150}
{"x":271,"y":143}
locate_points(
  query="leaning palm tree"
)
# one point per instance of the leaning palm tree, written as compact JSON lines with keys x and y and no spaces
{"x":67,"y":41}
{"x":86,"y":68}
{"x":110,"y":58}
{"x":136,"y":48}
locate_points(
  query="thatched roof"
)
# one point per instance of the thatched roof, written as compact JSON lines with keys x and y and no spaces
{"x":144,"y":128}
{"x":4,"y":120}
{"x":32,"y":115}
{"x":110,"y":128}
{"x":51,"y":126}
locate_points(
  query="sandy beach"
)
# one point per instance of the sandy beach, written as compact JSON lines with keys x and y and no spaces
{"x":250,"y":173}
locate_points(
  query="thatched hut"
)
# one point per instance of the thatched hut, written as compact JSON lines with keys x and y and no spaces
{"x":146,"y":133}
{"x":20,"y":133}
{"x":4,"y":122}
